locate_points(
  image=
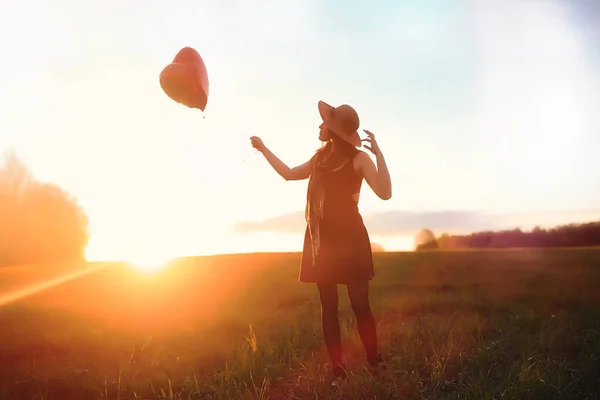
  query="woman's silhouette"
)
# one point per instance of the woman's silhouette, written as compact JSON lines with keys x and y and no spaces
{"x":337,"y":249}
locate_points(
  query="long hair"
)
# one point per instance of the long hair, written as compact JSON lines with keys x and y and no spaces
{"x":343,"y":148}
{"x":323,"y":161}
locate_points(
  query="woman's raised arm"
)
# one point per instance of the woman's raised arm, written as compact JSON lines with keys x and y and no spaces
{"x":300,"y":172}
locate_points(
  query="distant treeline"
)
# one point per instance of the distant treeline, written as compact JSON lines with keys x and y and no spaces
{"x":571,"y":235}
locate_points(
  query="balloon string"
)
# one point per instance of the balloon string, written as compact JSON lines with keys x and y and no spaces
{"x":242,"y":150}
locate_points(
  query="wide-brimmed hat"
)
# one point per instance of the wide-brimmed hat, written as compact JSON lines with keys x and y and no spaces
{"x":342,"y":120}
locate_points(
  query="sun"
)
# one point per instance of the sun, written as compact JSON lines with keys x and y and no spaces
{"x":149,"y":264}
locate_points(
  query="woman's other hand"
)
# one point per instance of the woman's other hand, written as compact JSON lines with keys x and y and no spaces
{"x":257,"y":143}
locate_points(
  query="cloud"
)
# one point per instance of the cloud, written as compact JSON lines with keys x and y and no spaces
{"x":404,"y":223}
{"x":399,"y":223}
{"x":391,"y":223}
{"x":286,"y":223}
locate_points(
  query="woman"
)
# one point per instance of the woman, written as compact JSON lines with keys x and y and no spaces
{"x":337,"y":249}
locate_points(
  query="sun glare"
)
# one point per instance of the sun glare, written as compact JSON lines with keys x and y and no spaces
{"x":149,"y":264}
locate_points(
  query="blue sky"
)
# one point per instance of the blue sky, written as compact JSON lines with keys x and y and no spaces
{"x":483,"y":108}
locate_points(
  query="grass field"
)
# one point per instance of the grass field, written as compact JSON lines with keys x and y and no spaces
{"x":515,"y":324}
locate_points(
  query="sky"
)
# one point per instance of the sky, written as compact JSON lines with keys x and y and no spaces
{"x":485,"y":112}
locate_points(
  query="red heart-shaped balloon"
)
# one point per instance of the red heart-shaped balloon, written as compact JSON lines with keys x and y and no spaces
{"x":185,"y":80}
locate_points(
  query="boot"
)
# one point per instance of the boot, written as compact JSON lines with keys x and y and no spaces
{"x":339,"y":374}
{"x":376,"y":361}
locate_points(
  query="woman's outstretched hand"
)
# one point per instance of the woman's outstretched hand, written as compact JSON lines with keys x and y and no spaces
{"x":257,"y":143}
{"x":374,"y":147}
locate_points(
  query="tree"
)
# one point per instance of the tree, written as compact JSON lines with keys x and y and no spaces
{"x":444,"y":241}
{"x":425,"y":240}
{"x":14,"y":178}
{"x":39,"y":222}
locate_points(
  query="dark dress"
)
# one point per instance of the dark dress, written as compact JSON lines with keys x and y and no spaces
{"x":344,"y":255}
